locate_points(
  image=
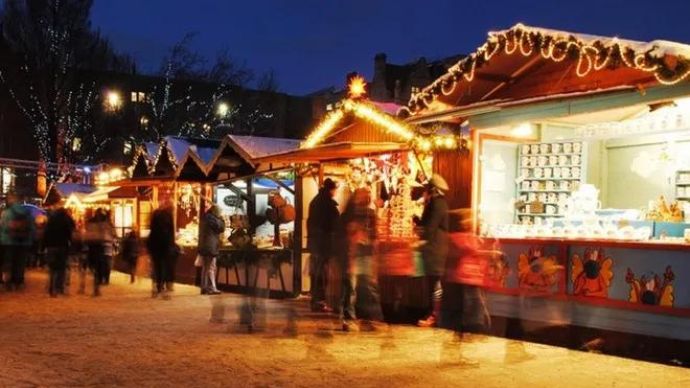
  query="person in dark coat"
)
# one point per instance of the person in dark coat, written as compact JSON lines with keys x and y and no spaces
{"x":17,"y":234}
{"x":96,"y":230}
{"x":130,"y":253}
{"x":162,"y":248}
{"x":434,"y":224}
{"x":211,"y":229}
{"x":322,"y":225}
{"x":57,"y":238}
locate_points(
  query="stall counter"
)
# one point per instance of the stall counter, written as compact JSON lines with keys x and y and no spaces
{"x":634,"y":286}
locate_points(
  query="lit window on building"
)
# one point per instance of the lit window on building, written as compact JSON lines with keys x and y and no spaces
{"x":329,"y":107}
{"x":6,"y":180}
{"x":138,"y":97}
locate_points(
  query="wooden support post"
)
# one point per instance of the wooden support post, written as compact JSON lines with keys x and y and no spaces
{"x":297,"y":237}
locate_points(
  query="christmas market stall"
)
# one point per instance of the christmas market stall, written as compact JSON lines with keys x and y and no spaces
{"x":256,"y":201}
{"x":580,"y":170}
{"x":362,"y":144}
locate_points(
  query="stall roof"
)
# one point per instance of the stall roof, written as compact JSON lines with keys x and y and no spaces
{"x":333,"y":152}
{"x":526,"y":62}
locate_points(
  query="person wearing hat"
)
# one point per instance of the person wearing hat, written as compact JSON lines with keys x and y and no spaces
{"x":434,"y":224}
{"x":322,"y":225}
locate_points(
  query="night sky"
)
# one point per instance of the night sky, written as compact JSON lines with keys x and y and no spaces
{"x":312,"y":44}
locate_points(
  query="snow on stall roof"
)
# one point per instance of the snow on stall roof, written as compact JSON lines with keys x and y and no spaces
{"x":65,"y":188}
{"x":258,"y":147}
{"x":151,"y":149}
{"x":387,"y":107}
{"x":204,"y":153}
{"x":657,"y":48}
{"x":177,"y":146}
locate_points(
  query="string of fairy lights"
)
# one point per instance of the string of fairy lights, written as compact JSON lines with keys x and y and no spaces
{"x":590,"y":56}
{"x":370,"y":113}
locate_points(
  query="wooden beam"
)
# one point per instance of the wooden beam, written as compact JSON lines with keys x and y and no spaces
{"x":515,"y":76}
{"x":493,"y":77}
{"x":281,"y":184}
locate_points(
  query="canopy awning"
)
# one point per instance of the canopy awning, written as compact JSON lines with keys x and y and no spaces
{"x":334,"y":152}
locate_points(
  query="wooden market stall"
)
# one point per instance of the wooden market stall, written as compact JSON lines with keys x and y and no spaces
{"x":579,"y":169}
{"x":193,"y":173}
{"x":362,"y":144}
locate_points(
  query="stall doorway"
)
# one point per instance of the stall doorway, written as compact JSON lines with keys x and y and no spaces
{"x":498,"y":171}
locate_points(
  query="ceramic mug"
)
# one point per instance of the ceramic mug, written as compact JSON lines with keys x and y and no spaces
{"x":532,"y":197}
{"x":567,"y":148}
{"x":550,"y":209}
{"x":552,"y":198}
{"x":535,"y":185}
{"x":557,"y":172}
{"x":544,"y":148}
{"x":541,"y":197}
{"x":562,"y":198}
{"x":577,"y":147}
{"x":533,"y":161}
{"x":524,"y":161}
{"x":548,"y":172}
{"x":526,"y":185}
{"x":538,"y":172}
{"x":575,"y":160}
{"x":550,"y":185}
{"x":565,"y":172}
{"x":576,"y":172}
{"x":542,"y":160}
{"x":565,"y":185}
{"x":525,"y":149}
{"x":553,"y":160}
{"x":534,"y":149}
{"x":524,"y":173}
{"x":556,"y":148}
{"x":562,"y":160}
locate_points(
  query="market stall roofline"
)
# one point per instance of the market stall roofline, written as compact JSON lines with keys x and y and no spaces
{"x":486,"y":107}
{"x":334,"y":152}
{"x":659,"y":61}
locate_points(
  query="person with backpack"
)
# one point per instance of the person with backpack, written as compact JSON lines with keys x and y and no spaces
{"x":17,"y":230}
{"x":57,"y":239}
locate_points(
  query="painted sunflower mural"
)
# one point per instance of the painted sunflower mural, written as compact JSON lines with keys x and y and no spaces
{"x":591,"y":275}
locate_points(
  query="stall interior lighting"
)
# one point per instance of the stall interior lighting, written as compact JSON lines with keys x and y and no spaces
{"x":522,"y":130}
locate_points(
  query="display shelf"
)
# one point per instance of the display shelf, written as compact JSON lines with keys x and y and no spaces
{"x":539,"y":214}
{"x":543,"y":191}
{"x":528,"y":162}
{"x":551,"y":179}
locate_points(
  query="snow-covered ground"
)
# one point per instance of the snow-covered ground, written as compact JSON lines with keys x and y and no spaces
{"x":126,"y":338}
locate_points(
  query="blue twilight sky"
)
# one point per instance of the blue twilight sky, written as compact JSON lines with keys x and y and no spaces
{"x":312,"y":44}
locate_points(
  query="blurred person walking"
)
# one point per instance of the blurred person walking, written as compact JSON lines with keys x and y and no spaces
{"x":108,"y":247}
{"x":322,"y":225}
{"x":57,"y":238}
{"x":17,"y":234}
{"x":360,"y":291}
{"x":211,"y":230}
{"x":96,"y":235}
{"x":434,"y":233}
{"x":130,"y":253}
{"x":162,"y":249}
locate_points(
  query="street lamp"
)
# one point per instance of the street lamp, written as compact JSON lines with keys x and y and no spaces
{"x":113,"y":101}
{"x":222,"y":110}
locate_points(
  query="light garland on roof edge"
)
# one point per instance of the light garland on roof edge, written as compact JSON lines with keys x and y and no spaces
{"x":424,"y":143}
{"x":595,"y":56}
